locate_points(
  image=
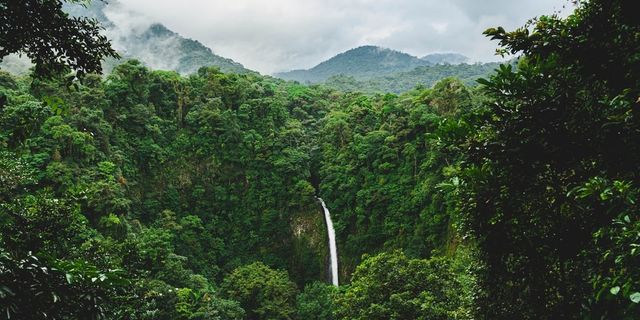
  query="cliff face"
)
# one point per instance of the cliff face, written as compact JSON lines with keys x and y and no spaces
{"x":310,"y":259}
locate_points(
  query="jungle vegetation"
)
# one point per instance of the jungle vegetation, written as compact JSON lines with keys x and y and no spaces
{"x":146,"y":194}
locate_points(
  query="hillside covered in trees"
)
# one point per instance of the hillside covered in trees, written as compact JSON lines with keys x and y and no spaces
{"x":372,"y":69}
{"x":376,"y":69}
{"x":362,"y":63}
{"x":147,"y":194}
{"x":424,"y":77}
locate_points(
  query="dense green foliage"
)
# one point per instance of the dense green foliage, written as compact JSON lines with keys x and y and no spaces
{"x":424,"y":77}
{"x":392,"y":286}
{"x":552,"y":179}
{"x":384,"y":160}
{"x":150,"y":195}
{"x":372,"y":69}
{"x":178,"y":181}
{"x":316,"y":301}
{"x":263,"y":292}
{"x":155,"y":174}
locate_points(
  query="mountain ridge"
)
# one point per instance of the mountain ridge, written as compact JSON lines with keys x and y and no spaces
{"x":367,"y":62}
{"x":361,"y":62}
{"x":153,"y":43}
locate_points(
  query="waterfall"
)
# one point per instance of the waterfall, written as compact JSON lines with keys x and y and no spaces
{"x":332,"y":244}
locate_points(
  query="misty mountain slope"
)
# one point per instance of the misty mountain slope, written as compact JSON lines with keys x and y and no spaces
{"x":136,"y":37}
{"x":164,"y":49}
{"x":446,"y":58}
{"x":425,"y":76}
{"x":361,"y":63}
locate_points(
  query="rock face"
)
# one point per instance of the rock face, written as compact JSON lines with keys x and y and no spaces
{"x":310,"y":258}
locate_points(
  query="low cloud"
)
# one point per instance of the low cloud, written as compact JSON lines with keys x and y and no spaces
{"x":280,"y":35}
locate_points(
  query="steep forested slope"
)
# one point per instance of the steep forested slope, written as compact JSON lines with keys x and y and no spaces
{"x":178,"y":181}
{"x":425,"y":76}
{"x":172,"y":176}
{"x":373,"y":69}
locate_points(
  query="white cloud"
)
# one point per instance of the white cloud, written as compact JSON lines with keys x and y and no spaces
{"x":277,"y":35}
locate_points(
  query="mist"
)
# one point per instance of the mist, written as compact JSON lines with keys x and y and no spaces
{"x":280,"y":35}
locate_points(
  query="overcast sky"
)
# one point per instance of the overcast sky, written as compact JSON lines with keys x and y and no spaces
{"x":280,"y":35}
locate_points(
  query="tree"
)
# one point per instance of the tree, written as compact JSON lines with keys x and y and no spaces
{"x":32,"y":289}
{"x":50,"y":38}
{"x":552,"y":170}
{"x":392,"y":286}
{"x":37,"y":230}
{"x":316,"y":301}
{"x":263,"y":293}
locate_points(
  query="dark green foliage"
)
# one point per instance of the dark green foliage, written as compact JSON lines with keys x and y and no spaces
{"x":50,"y":38}
{"x":30,"y":289}
{"x":43,"y":272}
{"x":424,"y":76}
{"x":316,"y":302}
{"x":552,"y":175}
{"x":178,"y":181}
{"x":392,"y":286}
{"x":383,"y":160}
{"x":152,"y":195}
{"x":158,"y":175}
{"x":263,"y":293}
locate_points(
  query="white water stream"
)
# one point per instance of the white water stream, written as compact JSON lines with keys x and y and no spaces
{"x":332,"y":244}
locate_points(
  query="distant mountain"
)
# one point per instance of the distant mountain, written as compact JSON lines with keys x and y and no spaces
{"x":152,"y":43}
{"x":161,"y":48}
{"x":425,"y":76}
{"x":445,"y":58}
{"x":134,"y":37}
{"x":360,"y":63}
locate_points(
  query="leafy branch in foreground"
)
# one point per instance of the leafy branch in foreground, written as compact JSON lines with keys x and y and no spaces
{"x":52,"y":39}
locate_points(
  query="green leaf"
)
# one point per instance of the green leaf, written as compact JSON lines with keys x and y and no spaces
{"x":69,"y":278}
{"x":615,"y":290}
{"x":635,"y":297}
{"x":627,"y":219}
